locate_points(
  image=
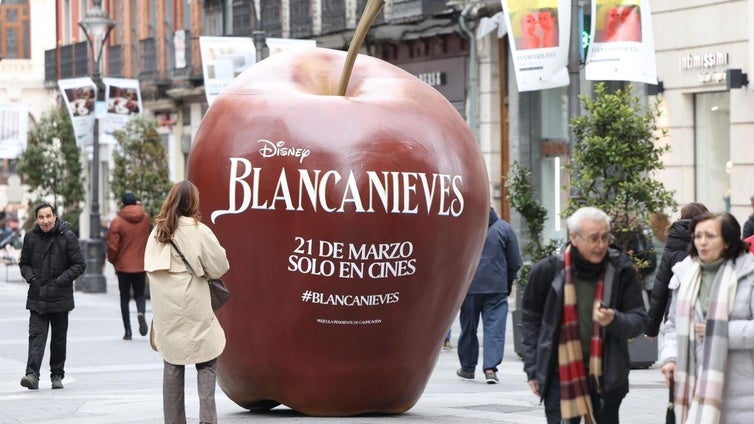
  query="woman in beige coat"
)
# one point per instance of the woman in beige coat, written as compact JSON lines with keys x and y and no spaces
{"x":186,"y":330}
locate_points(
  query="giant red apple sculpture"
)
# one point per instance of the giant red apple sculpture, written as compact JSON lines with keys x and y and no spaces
{"x":353,"y":225}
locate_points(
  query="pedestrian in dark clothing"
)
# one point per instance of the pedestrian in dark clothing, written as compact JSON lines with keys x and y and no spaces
{"x":488,"y":297}
{"x":51,"y":259}
{"x":126,"y":242}
{"x":749,"y":224}
{"x":676,"y":250}
{"x":578,"y":311}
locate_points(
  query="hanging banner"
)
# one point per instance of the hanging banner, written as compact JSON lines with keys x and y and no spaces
{"x":279,"y":45}
{"x":14,"y":125}
{"x":538,"y":31}
{"x":80,"y":95}
{"x":223,"y":58}
{"x":622,"y":47}
{"x":123,"y":99}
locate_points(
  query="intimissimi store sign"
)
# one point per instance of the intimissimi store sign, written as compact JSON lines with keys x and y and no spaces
{"x":709,"y":67}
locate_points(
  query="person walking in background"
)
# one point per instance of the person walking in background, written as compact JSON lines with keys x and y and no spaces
{"x":676,"y":249}
{"x":750,"y":241}
{"x":447,"y":344}
{"x":488,"y":297}
{"x":51,"y":259}
{"x":708,"y":342}
{"x":578,"y":311}
{"x":126,"y":242}
{"x":186,"y":330}
{"x":749,"y":224}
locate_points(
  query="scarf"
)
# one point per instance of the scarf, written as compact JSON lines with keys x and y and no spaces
{"x":700,"y":396}
{"x":575,"y":398}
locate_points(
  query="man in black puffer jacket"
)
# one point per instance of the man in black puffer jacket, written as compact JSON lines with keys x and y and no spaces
{"x":51,"y":259}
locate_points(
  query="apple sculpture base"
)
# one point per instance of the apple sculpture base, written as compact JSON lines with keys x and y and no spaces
{"x":353,"y":226}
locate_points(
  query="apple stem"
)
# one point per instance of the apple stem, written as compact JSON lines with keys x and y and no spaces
{"x":367,"y":18}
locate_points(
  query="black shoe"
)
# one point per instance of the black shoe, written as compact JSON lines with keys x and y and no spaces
{"x":143,"y":329}
{"x":57,"y":382}
{"x":127,"y":336}
{"x":30,"y":381}
{"x":490,"y":376}
{"x":466,"y":375}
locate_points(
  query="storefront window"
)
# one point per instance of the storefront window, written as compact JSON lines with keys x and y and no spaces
{"x":554,"y":124}
{"x":552,"y":197}
{"x":555,"y":113}
{"x":712,"y":149}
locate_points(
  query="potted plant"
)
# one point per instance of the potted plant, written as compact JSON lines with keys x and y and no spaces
{"x":521,"y":196}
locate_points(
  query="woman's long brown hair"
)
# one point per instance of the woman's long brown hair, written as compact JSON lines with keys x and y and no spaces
{"x":182,"y":200}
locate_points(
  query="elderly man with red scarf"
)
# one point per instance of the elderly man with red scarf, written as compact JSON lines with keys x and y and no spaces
{"x":579,"y":310}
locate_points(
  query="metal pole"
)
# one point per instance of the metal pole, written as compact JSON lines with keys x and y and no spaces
{"x":94,"y":281}
{"x":574,"y":86}
{"x":258,"y":34}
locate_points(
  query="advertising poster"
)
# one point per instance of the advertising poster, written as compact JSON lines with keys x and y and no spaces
{"x":622,"y":47}
{"x":80,"y":95}
{"x":538,"y":32}
{"x":223,"y":58}
{"x":14,"y":125}
{"x":279,"y":45}
{"x":123,"y":99}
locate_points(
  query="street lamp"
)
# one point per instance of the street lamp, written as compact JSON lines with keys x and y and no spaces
{"x":258,"y":34}
{"x":96,"y":26}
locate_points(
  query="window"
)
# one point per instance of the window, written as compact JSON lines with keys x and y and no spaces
{"x":712,"y":149}
{"x":14,"y":29}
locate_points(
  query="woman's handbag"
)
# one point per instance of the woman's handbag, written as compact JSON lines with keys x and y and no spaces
{"x":218,"y":292}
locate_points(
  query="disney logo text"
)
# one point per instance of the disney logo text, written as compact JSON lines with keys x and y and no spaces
{"x":270,"y":149}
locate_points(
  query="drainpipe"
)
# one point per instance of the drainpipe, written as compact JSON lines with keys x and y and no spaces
{"x":574,"y":86}
{"x":473,"y":70}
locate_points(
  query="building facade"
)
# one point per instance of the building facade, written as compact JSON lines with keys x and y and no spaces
{"x":157,"y":42}
{"x":23,"y":39}
{"x":708,"y":123}
{"x":708,"y":112}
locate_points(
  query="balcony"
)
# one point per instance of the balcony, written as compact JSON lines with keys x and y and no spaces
{"x":180,"y":65}
{"x":69,"y":61}
{"x":72,"y":61}
{"x":147,"y":59}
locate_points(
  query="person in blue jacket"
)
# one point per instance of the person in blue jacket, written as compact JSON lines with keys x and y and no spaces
{"x":488,"y":297}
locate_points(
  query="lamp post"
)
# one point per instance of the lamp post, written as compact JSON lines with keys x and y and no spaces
{"x":96,"y":26}
{"x":258,"y":34}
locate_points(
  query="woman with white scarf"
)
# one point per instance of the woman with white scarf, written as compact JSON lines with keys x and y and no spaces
{"x":708,"y":347}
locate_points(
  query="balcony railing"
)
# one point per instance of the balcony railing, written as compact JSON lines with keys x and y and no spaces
{"x":179,"y":56}
{"x":115,"y":61}
{"x":147,"y":59}
{"x":73,"y":62}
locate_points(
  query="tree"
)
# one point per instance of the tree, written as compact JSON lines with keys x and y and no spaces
{"x":51,"y":165}
{"x":617,"y":152}
{"x":522,"y":200}
{"x":141,"y":165}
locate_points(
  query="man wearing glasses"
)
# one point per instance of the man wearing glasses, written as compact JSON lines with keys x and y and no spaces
{"x":579,"y":310}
